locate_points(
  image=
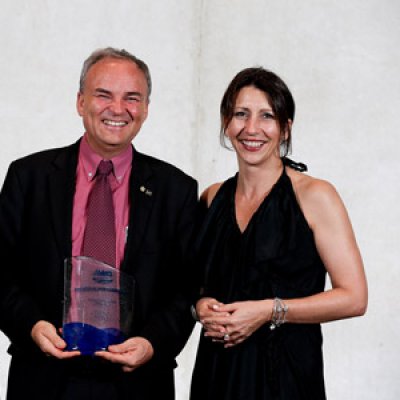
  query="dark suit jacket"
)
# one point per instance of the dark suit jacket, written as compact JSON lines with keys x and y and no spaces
{"x":35,"y":237}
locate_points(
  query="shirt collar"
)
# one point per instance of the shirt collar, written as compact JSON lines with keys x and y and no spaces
{"x":90,"y":161}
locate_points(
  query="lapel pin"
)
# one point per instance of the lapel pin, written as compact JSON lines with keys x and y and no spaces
{"x":146,"y":191}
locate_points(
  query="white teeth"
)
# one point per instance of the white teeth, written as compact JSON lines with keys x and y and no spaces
{"x":114,"y":123}
{"x":253,"y":144}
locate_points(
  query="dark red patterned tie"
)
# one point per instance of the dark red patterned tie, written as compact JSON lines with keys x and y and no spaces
{"x":99,"y":239}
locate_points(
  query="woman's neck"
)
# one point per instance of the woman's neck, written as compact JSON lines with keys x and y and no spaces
{"x":256,"y":181}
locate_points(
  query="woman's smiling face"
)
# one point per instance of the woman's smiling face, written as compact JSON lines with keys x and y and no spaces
{"x":254,"y":131}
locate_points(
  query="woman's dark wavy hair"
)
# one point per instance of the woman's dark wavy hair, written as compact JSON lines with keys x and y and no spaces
{"x":278,"y":95}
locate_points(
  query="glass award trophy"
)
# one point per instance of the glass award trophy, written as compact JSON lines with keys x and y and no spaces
{"x":98,"y":305}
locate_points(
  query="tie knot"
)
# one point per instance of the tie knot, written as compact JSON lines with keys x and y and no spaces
{"x":105,"y":167}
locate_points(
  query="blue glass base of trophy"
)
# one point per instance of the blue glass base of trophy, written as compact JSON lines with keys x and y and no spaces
{"x":88,"y":339}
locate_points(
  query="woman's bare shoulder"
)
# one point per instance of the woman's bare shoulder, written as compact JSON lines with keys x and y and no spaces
{"x":311,"y":188}
{"x":208,"y":194}
{"x":316,"y":196}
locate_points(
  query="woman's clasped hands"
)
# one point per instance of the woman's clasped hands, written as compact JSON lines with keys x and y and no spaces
{"x":232,"y":323}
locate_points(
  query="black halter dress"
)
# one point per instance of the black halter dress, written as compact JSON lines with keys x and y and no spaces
{"x":274,"y":257}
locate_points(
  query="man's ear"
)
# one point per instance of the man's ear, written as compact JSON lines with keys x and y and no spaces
{"x":79,"y":103}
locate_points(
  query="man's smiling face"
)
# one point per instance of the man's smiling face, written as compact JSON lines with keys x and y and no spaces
{"x":113,"y":105}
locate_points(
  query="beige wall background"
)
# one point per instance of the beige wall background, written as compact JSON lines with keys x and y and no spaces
{"x":341,"y":60}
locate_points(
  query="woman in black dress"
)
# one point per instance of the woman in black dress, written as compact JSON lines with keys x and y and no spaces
{"x":270,"y":235}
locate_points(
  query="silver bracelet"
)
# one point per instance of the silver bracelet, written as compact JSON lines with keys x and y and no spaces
{"x":279,"y":311}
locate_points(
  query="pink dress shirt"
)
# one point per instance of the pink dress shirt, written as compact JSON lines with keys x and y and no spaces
{"x":88,"y":162}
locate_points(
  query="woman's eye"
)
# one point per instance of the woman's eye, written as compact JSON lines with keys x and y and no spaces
{"x":239,"y":114}
{"x":268,"y":116}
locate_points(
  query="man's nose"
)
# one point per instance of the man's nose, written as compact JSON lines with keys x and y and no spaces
{"x":117,"y":106}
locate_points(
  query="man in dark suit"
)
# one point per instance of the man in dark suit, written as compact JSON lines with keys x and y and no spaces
{"x":43,"y":215}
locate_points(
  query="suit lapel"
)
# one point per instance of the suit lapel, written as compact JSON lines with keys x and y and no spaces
{"x":61,"y":194}
{"x":141,"y":194}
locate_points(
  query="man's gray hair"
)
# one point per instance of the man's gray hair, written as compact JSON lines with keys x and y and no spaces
{"x":111,"y":52}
